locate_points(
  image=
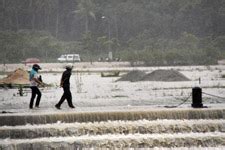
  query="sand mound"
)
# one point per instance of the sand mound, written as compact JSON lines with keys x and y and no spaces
{"x":165,"y":75}
{"x":157,"y":75}
{"x":133,"y":76}
{"x":19,"y":76}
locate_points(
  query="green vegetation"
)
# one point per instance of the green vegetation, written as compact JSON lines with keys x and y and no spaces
{"x":156,"y":32}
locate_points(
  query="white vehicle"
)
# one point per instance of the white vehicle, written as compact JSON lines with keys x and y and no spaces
{"x":69,"y":58}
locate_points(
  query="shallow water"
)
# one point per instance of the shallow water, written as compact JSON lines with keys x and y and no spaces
{"x":91,"y":90}
{"x":112,"y":127}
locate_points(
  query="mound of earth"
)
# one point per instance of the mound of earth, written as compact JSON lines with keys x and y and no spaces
{"x":133,"y":76}
{"x":165,"y":75}
{"x":19,"y":76}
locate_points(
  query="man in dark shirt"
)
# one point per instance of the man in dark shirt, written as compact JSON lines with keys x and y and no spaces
{"x":65,"y":83}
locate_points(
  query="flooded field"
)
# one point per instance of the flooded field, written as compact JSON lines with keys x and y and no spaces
{"x":118,"y":114}
{"x":91,"y":91}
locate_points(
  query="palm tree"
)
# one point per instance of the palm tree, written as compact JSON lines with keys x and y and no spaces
{"x":38,"y":6}
{"x":86,"y":8}
{"x":47,"y":6}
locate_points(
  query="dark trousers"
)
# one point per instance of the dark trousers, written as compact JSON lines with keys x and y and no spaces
{"x":66,"y":95}
{"x":35,"y":91}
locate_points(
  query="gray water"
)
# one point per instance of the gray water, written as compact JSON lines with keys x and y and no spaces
{"x":180,"y":113}
{"x":165,"y":128}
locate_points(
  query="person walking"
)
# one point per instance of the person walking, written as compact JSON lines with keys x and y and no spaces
{"x":34,"y":83}
{"x":65,"y":84}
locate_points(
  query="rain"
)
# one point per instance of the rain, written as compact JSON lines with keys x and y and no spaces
{"x":119,"y":74}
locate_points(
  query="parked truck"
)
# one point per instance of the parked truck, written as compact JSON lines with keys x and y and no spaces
{"x":69,"y":58}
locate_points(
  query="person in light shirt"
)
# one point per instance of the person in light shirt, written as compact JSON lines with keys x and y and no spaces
{"x":34,"y":83}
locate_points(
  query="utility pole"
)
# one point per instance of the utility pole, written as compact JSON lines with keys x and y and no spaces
{"x":109,"y":38}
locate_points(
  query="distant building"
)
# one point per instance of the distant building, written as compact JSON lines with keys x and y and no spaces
{"x":221,"y":62}
{"x":31,"y":60}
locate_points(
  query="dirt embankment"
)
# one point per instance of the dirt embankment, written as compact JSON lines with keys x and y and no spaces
{"x":133,"y":76}
{"x":157,"y":75}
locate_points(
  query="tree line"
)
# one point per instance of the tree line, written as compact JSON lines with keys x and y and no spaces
{"x":156,"y":32}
